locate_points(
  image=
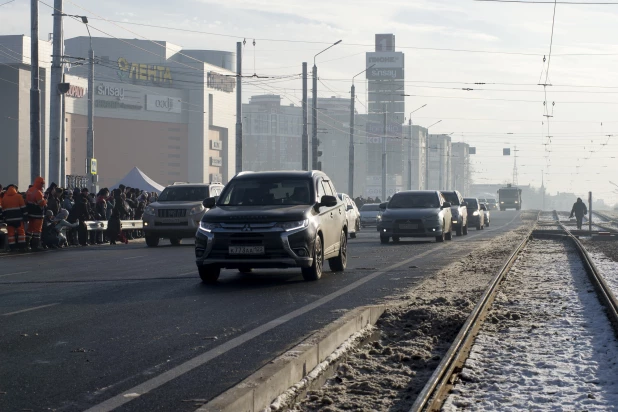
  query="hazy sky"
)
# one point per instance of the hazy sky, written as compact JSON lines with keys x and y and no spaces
{"x":500,"y":44}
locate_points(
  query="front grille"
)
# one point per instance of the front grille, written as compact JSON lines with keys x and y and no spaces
{"x":172,"y":213}
{"x":185,"y":223}
{"x":399,"y":226}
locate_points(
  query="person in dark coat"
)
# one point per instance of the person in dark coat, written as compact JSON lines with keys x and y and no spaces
{"x":120,"y":212}
{"x":101,"y":212}
{"x":53,"y":200}
{"x":579,"y":210}
{"x":83,"y":212}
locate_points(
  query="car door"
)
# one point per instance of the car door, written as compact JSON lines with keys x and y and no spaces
{"x":340,"y":215}
{"x":327,"y":218}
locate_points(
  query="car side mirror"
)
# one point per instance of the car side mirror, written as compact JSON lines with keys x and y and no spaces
{"x":446,"y":204}
{"x":350,"y":207}
{"x":328,"y":201}
{"x":383,"y":205}
{"x":210,"y":202}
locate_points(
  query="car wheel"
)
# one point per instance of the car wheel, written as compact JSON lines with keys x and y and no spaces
{"x":396,"y":239}
{"x":478,"y":226}
{"x":449,"y":235}
{"x":152,"y":241}
{"x":314,"y":272}
{"x":487,"y":224}
{"x":465,"y":229}
{"x":384,"y":239}
{"x":175,"y":241}
{"x":440,"y":238}
{"x":459,"y":230}
{"x":353,"y":235}
{"x":339,"y":263}
{"x":245,"y":271}
{"x":209,"y":274}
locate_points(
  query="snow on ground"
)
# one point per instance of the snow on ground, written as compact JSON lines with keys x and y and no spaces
{"x":546,"y":344}
{"x":388,"y":374}
{"x":605,"y":257}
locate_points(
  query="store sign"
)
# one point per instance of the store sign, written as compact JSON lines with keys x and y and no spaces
{"x":392,"y":129}
{"x":216,"y":161}
{"x":381,"y":60}
{"x":144,"y":72}
{"x":216,"y":145}
{"x":114,"y":104}
{"x":105,"y":90}
{"x":76,"y":92}
{"x":165,"y":104}
{"x":385,"y":74}
{"x":221,"y":82}
{"x":385,"y":42}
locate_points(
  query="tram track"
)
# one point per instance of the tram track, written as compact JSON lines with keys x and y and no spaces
{"x":548,"y":232}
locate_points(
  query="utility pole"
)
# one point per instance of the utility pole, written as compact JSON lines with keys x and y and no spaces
{"x":90,"y":138}
{"x":314,"y":120}
{"x":384,"y":160}
{"x":35,"y":93}
{"x":543,"y":187}
{"x":515,"y":167}
{"x":590,"y":212}
{"x":238,"y":107}
{"x":305,"y":138}
{"x":55,"y":117}
{"x":351,"y":149}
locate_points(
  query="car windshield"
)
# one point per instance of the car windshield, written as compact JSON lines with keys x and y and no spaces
{"x":263,"y":192}
{"x":184,"y":194}
{"x":492,"y":201}
{"x":472,"y":203}
{"x":414,"y":201}
{"x":370,"y":208}
{"x":451,"y":197}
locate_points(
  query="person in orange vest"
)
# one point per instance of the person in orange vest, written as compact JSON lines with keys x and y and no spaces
{"x":14,"y":213}
{"x":35,"y":205}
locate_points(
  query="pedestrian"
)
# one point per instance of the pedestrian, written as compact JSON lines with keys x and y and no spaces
{"x":14,"y":214}
{"x":83,"y":213}
{"x":120,"y":212}
{"x":35,"y":205}
{"x":53,"y":200}
{"x":101,"y":212}
{"x":67,"y":202}
{"x":62,"y":225}
{"x":49,"y":236}
{"x":579,"y":210}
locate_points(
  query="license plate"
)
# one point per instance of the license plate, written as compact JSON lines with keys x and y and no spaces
{"x":408,"y":226}
{"x":246,"y":250}
{"x":168,"y":220}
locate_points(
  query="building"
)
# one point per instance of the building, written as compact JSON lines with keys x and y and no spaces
{"x":334,"y":148}
{"x":15,"y":87}
{"x":415,"y":157}
{"x":272,"y":134}
{"x":460,"y":167}
{"x":168,"y":111}
{"x":439,"y":155}
{"x":386,"y":114}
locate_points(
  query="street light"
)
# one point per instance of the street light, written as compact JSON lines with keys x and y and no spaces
{"x":314,"y":112}
{"x":91,"y":162}
{"x":427,"y":156}
{"x":410,"y":147}
{"x":351,"y":149}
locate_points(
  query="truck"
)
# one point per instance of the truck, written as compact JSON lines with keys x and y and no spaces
{"x":509,"y":197}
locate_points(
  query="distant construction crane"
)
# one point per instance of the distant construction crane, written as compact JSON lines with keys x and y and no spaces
{"x":515,"y":167}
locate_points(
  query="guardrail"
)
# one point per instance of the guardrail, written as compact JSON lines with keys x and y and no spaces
{"x":100,"y":225}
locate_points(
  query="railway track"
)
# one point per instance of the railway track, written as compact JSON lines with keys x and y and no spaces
{"x":551,"y":233}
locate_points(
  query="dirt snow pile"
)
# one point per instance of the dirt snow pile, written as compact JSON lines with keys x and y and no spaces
{"x":389,"y":373}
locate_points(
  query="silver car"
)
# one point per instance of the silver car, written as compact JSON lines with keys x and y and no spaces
{"x":352,"y":215}
{"x":416,"y":213}
{"x":369,"y":214}
{"x":177,"y":213}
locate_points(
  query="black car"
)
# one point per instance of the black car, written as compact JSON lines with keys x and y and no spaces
{"x":273,"y":220}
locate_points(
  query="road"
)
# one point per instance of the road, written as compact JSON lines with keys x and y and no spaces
{"x":132,"y":328}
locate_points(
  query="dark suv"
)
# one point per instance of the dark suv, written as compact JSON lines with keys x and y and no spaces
{"x":273,"y":220}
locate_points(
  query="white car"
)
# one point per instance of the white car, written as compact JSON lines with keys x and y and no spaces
{"x":352,"y":214}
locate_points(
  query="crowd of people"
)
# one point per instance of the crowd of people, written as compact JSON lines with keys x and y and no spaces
{"x":56,"y":217}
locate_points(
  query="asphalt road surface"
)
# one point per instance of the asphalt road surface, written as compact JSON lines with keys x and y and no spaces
{"x":132,"y":328}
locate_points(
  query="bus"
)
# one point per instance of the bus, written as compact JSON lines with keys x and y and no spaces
{"x":509,"y":197}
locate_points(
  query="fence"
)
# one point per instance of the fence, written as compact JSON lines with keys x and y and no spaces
{"x":79,"y":182}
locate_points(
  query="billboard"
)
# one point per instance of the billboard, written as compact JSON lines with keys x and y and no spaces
{"x":165,"y":104}
{"x":387,"y":86}
{"x":385,"y":74}
{"x":382,"y":60}
{"x":385,"y":42}
{"x":377,"y":129}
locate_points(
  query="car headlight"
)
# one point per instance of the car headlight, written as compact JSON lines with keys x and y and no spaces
{"x":476,"y":213}
{"x":197,"y":209}
{"x":149,"y":211}
{"x":379,"y":217}
{"x":502,"y":202}
{"x":209,"y":227}
{"x":288,"y":226}
{"x":516,"y":201}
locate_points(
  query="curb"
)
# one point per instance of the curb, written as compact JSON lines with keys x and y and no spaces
{"x":258,"y":391}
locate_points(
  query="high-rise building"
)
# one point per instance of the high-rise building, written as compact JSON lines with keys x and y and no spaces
{"x":386,"y":108}
{"x":439,"y":155}
{"x":272,"y":134}
{"x":415,"y":159}
{"x":460,"y":167}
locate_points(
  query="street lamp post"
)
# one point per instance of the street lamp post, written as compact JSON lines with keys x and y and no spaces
{"x":90,"y":137}
{"x":427,"y":156}
{"x":314,"y":111}
{"x":351,"y":155}
{"x":410,"y":147}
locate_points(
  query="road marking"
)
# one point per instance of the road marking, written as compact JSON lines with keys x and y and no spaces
{"x":11,"y":274}
{"x":30,"y":309}
{"x":151,"y":384}
{"x":133,"y":257}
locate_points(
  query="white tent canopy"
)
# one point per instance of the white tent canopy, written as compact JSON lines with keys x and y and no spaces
{"x":137,"y":179}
